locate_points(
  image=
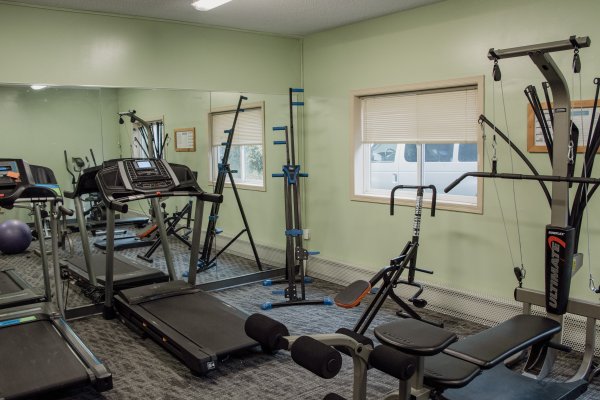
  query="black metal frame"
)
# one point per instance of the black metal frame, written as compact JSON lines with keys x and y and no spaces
{"x":295,"y":253}
{"x":224,"y":171}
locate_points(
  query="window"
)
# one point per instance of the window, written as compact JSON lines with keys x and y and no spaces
{"x":419,"y":135}
{"x":246,"y":155}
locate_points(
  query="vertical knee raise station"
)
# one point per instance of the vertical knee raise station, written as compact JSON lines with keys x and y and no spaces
{"x":295,"y":253}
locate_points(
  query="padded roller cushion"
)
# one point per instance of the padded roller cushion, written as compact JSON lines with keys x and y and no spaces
{"x":266,"y":331}
{"x":393,"y":362}
{"x":415,"y":337}
{"x":494,"y":345}
{"x":317,"y":357}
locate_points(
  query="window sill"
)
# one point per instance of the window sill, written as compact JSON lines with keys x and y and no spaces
{"x":440,"y":204}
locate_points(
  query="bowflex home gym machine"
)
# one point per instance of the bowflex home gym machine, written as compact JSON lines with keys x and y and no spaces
{"x":195,"y":326}
{"x":296,"y":255}
{"x":353,"y":294}
{"x":473,"y":368}
{"x":39,"y":352}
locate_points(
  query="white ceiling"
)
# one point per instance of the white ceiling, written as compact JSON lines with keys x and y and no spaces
{"x":285,"y":17}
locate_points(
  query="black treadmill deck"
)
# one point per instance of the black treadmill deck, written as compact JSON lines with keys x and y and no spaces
{"x":37,"y":360}
{"x":128,"y":273}
{"x":196,"y":327}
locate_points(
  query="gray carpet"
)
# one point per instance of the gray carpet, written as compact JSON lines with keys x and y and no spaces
{"x":143,"y":370}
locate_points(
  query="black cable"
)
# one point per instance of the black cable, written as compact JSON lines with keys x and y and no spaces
{"x":482,"y":118}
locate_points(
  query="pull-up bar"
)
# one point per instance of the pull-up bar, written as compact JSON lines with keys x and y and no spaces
{"x":572,"y":43}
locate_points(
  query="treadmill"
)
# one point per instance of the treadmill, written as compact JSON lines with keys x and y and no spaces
{"x":14,"y":291}
{"x":39,"y":353}
{"x":89,"y":270}
{"x":196,"y":327}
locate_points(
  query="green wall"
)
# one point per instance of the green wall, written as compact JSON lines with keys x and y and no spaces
{"x":442,"y":41}
{"x":71,"y":48}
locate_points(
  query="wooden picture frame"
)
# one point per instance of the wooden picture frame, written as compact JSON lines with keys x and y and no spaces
{"x":185,"y":139}
{"x":535,"y":140}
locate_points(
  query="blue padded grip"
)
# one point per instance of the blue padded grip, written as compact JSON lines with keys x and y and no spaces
{"x":277,"y":175}
{"x":313,"y":253}
{"x":294,"y":232}
{"x":297,"y":90}
{"x":279,"y":142}
{"x":266,"y":306}
{"x":218,"y":231}
{"x":297,"y":103}
{"x":278,"y":292}
{"x":279,"y":128}
{"x":328,"y":301}
{"x":267,"y":282}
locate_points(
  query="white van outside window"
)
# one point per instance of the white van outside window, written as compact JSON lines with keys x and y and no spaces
{"x":420,"y":134}
{"x":423,"y":164}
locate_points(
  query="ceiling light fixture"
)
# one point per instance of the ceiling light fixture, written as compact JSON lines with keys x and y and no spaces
{"x":205,"y":5}
{"x":38,"y":87}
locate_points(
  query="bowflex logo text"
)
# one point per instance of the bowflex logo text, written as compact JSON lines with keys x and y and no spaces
{"x":555,"y":244}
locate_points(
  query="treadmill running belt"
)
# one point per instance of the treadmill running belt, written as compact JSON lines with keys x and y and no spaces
{"x":34,"y":358}
{"x":203,"y":319}
{"x":7,"y":285}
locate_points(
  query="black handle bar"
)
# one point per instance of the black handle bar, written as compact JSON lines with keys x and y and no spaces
{"x":121,"y":206}
{"x":545,"y":178}
{"x":419,"y":193}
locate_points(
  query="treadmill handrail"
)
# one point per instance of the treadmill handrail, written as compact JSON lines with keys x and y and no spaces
{"x":548,"y":178}
{"x":120,"y":204}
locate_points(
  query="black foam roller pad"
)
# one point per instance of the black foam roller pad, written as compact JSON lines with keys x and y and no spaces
{"x":317,"y":357}
{"x":393,"y":362}
{"x":266,"y":331}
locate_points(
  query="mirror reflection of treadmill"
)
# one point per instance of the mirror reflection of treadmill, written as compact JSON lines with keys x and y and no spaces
{"x":89,"y":269}
{"x":195,"y":326}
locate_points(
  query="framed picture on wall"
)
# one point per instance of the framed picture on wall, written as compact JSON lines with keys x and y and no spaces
{"x":581,"y":114}
{"x":185,"y":139}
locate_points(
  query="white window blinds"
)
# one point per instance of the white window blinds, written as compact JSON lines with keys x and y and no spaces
{"x":448,"y":115}
{"x":248,"y":130}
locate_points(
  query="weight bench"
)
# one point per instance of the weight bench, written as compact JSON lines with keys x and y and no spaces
{"x":429,"y":362}
{"x":449,"y":367}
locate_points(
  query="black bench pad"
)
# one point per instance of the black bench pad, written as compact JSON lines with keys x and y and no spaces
{"x":444,"y":371}
{"x":500,"y":383}
{"x":492,"y":346}
{"x":415,"y":337}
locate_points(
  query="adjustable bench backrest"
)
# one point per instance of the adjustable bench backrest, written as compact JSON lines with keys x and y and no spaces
{"x":494,"y":345}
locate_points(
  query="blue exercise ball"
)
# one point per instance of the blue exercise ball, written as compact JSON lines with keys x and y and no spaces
{"x":15,"y":237}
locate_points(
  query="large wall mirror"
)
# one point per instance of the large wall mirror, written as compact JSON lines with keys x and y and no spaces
{"x":41,"y":124}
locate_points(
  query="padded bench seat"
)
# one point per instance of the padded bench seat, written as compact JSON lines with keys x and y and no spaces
{"x":414,"y":337}
{"x":488,"y":348}
{"x":444,"y":371}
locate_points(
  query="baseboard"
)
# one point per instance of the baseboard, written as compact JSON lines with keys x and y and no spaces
{"x":468,"y":305}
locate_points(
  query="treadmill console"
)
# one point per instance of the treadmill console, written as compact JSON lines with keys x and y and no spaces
{"x":17,"y":182}
{"x":147,"y":175}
